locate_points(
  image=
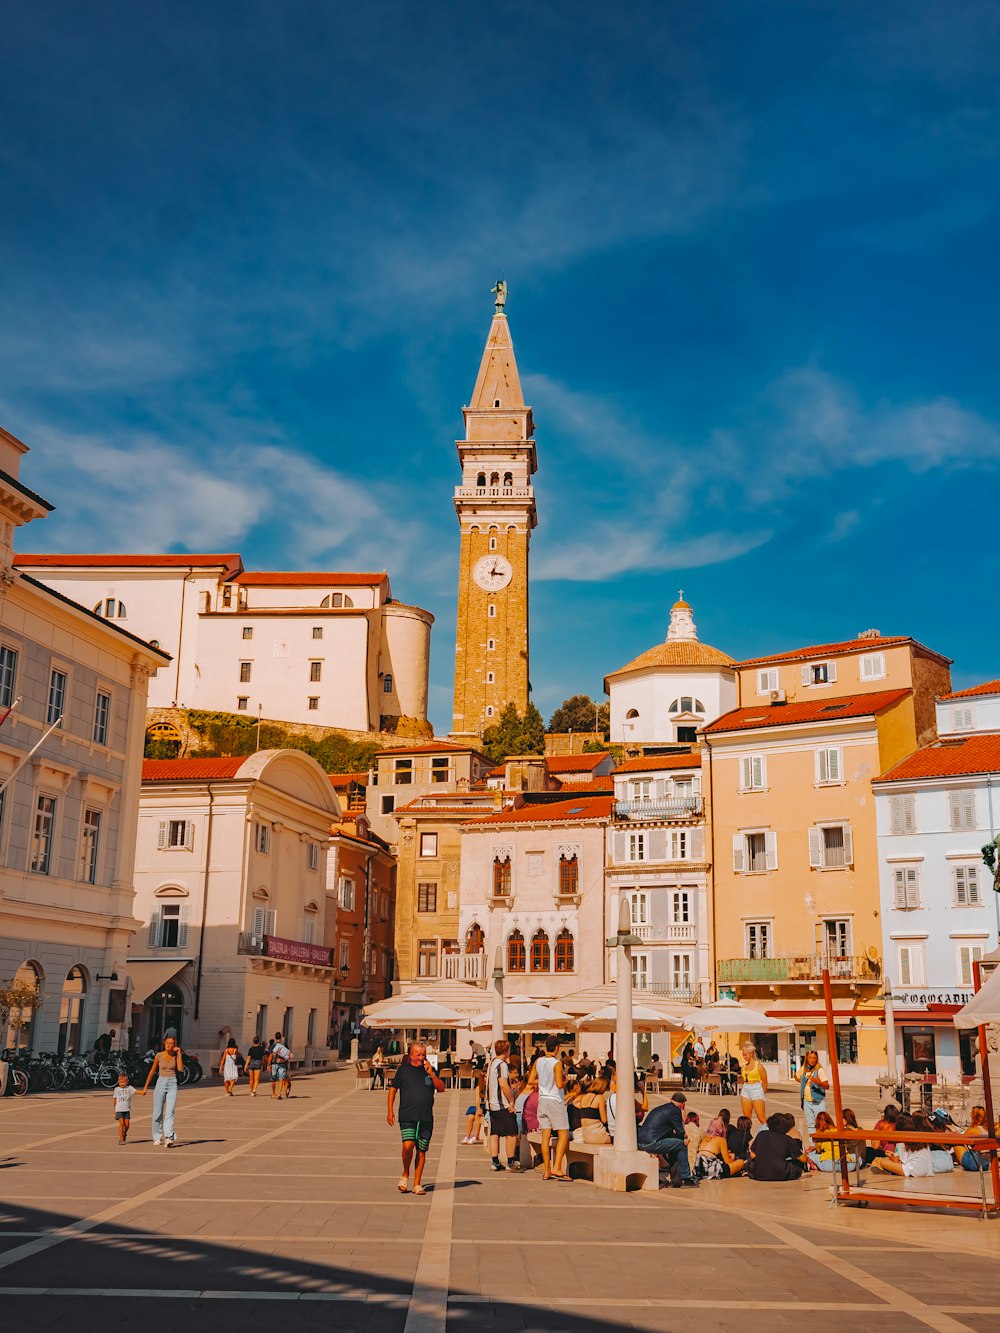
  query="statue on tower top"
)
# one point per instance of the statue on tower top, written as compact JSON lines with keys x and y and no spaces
{"x":499,"y":290}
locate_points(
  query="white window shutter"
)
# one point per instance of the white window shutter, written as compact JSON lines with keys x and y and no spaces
{"x":821,"y":765}
{"x":154,"y":928}
{"x":909,"y":814}
{"x":307,"y":932}
{"x":895,"y":814}
{"x":831,"y":671}
{"x":833,"y":765}
{"x":698,"y":844}
{"x":189,"y":834}
{"x":182,"y":926}
{"x":759,"y":771}
{"x":620,"y":847}
{"x":848,"y":845}
{"x":161,"y":838}
{"x":258,"y":922}
{"x":771,"y":846}
{"x":972,"y":884}
{"x":738,"y":853}
{"x":912,"y":889}
{"x":905,"y":967}
{"x":899,"y":888}
{"x":746,"y":772}
{"x":969,"y":809}
{"x":806,"y":676}
{"x":815,"y":847}
{"x":270,"y":921}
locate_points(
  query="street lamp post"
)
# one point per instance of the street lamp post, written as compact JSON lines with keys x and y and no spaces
{"x":497,"y":997}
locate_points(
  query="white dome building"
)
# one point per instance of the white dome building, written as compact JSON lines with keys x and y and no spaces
{"x":666,"y":694}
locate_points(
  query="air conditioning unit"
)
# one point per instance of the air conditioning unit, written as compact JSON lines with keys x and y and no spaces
{"x":777,"y":696}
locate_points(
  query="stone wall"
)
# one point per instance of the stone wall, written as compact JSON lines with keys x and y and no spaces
{"x":408,"y":731}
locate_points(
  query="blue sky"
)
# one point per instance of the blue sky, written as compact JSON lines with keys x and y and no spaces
{"x":752,"y":257}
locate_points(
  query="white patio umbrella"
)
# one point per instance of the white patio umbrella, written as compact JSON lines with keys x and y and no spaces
{"x":732,"y":1016}
{"x":523,"y":1015}
{"x":984,"y":1007}
{"x":644,"y":1019}
{"x":414,"y":1011}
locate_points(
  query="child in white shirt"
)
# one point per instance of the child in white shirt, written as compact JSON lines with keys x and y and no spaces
{"x":123,"y":1106}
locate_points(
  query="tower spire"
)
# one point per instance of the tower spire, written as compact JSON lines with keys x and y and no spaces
{"x":682,"y":624}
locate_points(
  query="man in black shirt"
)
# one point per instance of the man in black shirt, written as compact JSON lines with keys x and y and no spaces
{"x":774,"y":1154}
{"x":416,"y":1083}
{"x":662,"y":1134}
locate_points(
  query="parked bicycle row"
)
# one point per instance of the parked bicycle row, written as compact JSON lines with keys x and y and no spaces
{"x":45,"y":1071}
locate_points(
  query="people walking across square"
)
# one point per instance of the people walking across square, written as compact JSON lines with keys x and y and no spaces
{"x":166,"y":1066}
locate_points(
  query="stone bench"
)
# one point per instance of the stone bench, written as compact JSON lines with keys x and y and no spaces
{"x":584,"y":1162}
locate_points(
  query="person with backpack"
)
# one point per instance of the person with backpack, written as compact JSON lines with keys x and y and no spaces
{"x":278,"y":1060}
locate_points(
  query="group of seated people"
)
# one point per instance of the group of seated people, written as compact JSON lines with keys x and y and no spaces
{"x":698,"y":1063}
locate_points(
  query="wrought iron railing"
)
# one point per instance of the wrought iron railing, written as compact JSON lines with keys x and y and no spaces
{"x":797,"y":967}
{"x":684,"y":807}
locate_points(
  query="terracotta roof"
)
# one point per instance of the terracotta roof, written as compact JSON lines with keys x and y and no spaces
{"x":948,"y":758}
{"x":605,"y":783}
{"x":845,"y":646}
{"x":812,"y":710}
{"x":230,"y":560}
{"x":574,"y":763}
{"x":987,"y":687}
{"x":655,"y":762}
{"x":431,"y":747}
{"x":583,"y":807}
{"x":191,"y":770}
{"x":677,"y":653}
{"x":342,"y":780}
{"x":309,"y":579}
{"x":497,"y":772}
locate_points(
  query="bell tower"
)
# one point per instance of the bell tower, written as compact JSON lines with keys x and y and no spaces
{"x":495,"y":504}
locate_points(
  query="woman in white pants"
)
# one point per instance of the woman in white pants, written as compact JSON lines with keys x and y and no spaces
{"x":167,"y":1065}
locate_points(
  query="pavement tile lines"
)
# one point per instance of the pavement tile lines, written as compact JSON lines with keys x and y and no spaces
{"x":483,"y":1250}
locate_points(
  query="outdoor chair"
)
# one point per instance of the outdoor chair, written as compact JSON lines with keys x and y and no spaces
{"x":362,"y":1074}
{"x":465,"y":1073}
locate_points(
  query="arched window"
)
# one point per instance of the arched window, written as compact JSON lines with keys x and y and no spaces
{"x":164,"y":1013}
{"x":71,"y":1012}
{"x":494,"y":478}
{"x":516,"y":952}
{"x":481,"y":479}
{"x":501,"y":877}
{"x":21,"y":1024}
{"x":508,"y":479}
{"x":632,"y":713}
{"x":475,"y":940}
{"x":111,"y":608}
{"x":540,"y":952}
{"x":565,"y":952}
{"x":387,"y":683}
{"x":686,"y":704}
{"x":569,"y":876}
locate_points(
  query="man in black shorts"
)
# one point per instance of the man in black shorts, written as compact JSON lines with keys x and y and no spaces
{"x":416,"y":1083}
{"x":500,"y":1102}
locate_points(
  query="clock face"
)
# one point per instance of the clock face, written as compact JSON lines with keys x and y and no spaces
{"x":492,"y":573}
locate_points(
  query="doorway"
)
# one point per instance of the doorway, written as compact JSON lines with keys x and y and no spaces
{"x":164,"y":1013}
{"x":919,"y":1053}
{"x":805,"y":1040}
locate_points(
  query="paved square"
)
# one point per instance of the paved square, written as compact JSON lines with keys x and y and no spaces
{"x":289,"y":1211}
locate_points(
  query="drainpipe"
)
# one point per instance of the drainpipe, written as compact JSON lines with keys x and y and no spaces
{"x":204,"y":903}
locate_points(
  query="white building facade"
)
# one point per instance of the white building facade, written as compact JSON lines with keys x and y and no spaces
{"x":332,"y":649}
{"x":935,"y":811}
{"x":971,"y":710}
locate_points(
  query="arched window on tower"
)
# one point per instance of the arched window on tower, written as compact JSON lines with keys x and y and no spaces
{"x":541,"y":959}
{"x":481,"y":479}
{"x":508,"y":479}
{"x":686,"y":704}
{"x":565,"y":953}
{"x":501,"y":877}
{"x":569,"y":876}
{"x":475,"y":940}
{"x":494,"y":478}
{"x":516,"y":952}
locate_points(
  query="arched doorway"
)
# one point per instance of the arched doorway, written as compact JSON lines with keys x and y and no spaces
{"x":74,"y":995}
{"x":164,"y":1010}
{"x":20,"y":1034}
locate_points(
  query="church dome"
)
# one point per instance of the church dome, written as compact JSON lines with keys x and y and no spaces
{"x":681,"y":649}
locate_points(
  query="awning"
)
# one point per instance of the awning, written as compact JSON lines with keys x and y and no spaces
{"x":148,"y":977}
{"x":984,"y":1007}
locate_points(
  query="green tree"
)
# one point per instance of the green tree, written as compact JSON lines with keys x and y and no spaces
{"x":18,"y":999}
{"x":514,"y":734}
{"x":580,"y":713}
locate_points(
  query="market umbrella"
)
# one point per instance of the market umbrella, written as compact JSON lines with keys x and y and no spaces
{"x":984,"y":1007}
{"x":644,"y":1019}
{"x":732,"y":1016}
{"x":587,"y":1001}
{"x":523,"y":1015}
{"x":414,"y":1011}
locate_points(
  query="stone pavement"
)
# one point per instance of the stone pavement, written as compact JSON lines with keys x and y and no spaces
{"x":289,"y":1211}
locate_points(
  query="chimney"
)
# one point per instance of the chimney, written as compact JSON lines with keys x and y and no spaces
{"x":870,"y":634}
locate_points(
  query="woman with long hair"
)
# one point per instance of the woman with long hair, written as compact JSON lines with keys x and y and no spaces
{"x":714,"y":1160}
{"x":971,"y":1160}
{"x":754,"y":1087}
{"x":167,"y":1064}
{"x":908,"y":1159}
{"x":592,"y":1111}
{"x":254,"y":1063}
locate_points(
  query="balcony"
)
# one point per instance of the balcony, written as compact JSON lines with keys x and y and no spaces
{"x":684,"y":807}
{"x":488,"y":492}
{"x":463,"y":966}
{"x":681,"y":994}
{"x":281,"y":950}
{"x":795,"y":968}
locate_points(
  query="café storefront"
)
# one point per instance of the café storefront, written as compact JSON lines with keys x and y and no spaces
{"x":927,"y":1041}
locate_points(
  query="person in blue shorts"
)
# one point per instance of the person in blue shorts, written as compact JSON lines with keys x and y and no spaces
{"x":416,"y":1083}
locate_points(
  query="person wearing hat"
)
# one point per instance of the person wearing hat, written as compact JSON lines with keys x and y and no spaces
{"x":662,"y":1134}
{"x":943,"y":1158}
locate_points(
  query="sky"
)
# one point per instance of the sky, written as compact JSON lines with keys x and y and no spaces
{"x":751,"y":250}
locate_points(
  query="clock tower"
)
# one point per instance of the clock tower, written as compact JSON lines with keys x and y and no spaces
{"x":495,"y":504}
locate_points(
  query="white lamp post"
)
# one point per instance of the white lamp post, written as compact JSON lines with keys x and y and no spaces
{"x":498,"y":1029}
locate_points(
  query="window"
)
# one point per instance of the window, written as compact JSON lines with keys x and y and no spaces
{"x":173,"y":931}
{"x":262,"y":838}
{"x":639,"y":904}
{"x":962,"y":719}
{"x":873,"y":666}
{"x":313,"y":703}
{"x":680,"y":971}
{"x":242,"y":703}
{"x":967,"y":886}
{"x":265,"y":922}
{"x":541,"y":960}
{"x":967,"y":955}
{"x":754,"y":853}
{"x":640,"y":971}
{"x":475,"y":939}
{"x":565,"y":952}
{"x":102,"y":717}
{"x":346,"y":894}
{"x":248,"y":631}
{"x":111,"y":609}
{"x":910,"y":964}
{"x":492,"y":611}
{"x":8,"y":670}
{"x":963,"y":810}
{"x":768,"y":680}
{"x":902,"y":814}
{"x":819,"y":673}
{"x":757,"y":935}
{"x":905,"y":888}
{"x":642,"y":790}
{"x":317,"y":631}
{"x":308,"y":930}
{"x":344,"y":956}
{"x":678,"y":845}
{"x":493,"y":543}
{"x":490,"y":678}
{"x":402,"y":772}
{"x":245,"y":672}
{"x":312,"y":855}
{"x":427,"y":958}
{"x":569,"y":878}
{"x":427,"y":897}
{"x":176,"y":834}
{"x":387,"y":683}
{"x":516,"y":952}
{"x":388,"y":804}
{"x":686,"y":704}
{"x":315,"y":671}
{"x":490,"y":645}
{"x":687,"y":734}
{"x":489,"y":710}
{"x":681,"y":908}
{"x":90,"y":846}
{"x":836,"y":939}
{"x":501,"y":878}
{"x":57,"y":696}
{"x":637,"y":846}
{"x":41,"y":847}
{"x":829,"y":766}
{"x":440,"y":768}
{"x":831,"y":847}
{"x":428,"y":844}
{"x":753,"y":772}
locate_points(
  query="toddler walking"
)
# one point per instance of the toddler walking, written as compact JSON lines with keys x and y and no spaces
{"x":123,"y":1106}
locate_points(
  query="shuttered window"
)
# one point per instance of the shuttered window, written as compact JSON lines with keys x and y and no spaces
{"x":265,"y":920}
{"x":910,"y":964}
{"x":902,"y":814}
{"x":873,"y":666}
{"x":963,"y":810}
{"x":967,"y":886}
{"x":755,"y":853}
{"x":753,"y":772}
{"x":967,"y":955}
{"x":829,"y":765}
{"x":831,"y":847}
{"x":175,"y":835}
{"x":905,"y":888}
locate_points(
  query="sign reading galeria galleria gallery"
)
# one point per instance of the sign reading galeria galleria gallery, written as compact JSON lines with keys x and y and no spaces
{"x":297,"y":951}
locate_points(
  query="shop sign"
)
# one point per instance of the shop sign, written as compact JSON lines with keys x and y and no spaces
{"x":296,"y":951}
{"x":919,"y":999}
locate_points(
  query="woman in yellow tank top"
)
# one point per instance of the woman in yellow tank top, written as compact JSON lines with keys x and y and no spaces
{"x":754,"y":1088}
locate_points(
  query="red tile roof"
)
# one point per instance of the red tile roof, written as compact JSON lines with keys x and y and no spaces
{"x":344,"y":780}
{"x":655,"y":762}
{"x":845,"y":646}
{"x":987,"y":687}
{"x":574,"y":763}
{"x":431,"y":747}
{"x":309,"y":579}
{"x":191,"y":770}
{"x":812,"y":710}
{"x":229,"y":561}
{"x":605,"y":783}
{"x":583,"y":807}
{"x":949,"y":758}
